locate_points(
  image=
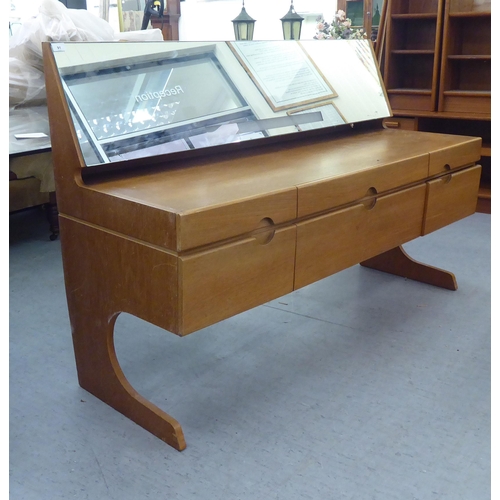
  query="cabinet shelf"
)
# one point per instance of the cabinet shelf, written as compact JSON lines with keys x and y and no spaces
{"x":472,"y":13}
{"x":441,"y":115}
{"x":468,"y":93}
{"x":465,"y":83}
{"x":406,"y":91}
{"x":469,"y":57}
{"x":407,"y":52}
{"x":413,"y":56}
{"x":437,"y":69}
{"x":416,"y":17}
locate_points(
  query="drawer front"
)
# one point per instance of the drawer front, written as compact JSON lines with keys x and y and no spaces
{"x":451,"y":198}
{"x":410,"y":102}
{"x":401,"y":123}
{"x":333,"y":242}
{"x":217,"y":284}
{"x":466,"y":104}
{"x":330,"y":193}
{"x":455,"y":156}
{"x":226,"y":221}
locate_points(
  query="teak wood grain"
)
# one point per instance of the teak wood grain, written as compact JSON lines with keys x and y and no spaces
{"x":442,"y":195}
{"x":333,"y":242}
{"x":186,"y":244}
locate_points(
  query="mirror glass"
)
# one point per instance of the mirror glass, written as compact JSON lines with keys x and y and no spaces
{"x":136,"y":99}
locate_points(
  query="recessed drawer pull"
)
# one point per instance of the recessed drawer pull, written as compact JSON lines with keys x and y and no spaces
{"x":370,"y":198}
{"x":447,"y":178}
{"x":265,"y":231}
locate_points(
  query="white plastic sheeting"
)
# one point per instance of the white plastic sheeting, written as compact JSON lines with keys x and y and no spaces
{"x":54,"y":22}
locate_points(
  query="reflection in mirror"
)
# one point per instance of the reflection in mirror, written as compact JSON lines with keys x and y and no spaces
{"x":137,"y":99}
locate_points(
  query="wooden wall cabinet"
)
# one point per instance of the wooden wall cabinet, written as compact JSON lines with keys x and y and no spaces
{"x":413,"y":54}
{"x":465,"y":85}
{"x":437,"y":70}
{"x":363,"y":14}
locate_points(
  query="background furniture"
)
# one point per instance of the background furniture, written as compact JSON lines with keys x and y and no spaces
{"x":169,"y":24}
{"x":437,"y":70}
{"x":31,"y":175}
{"x":364,"y":14}
{"x":132,"y":17}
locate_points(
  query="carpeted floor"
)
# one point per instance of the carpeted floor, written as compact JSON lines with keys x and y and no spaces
{"x":362,"y":386}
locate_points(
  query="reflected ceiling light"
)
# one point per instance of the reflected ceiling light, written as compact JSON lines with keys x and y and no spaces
{"x":243,"y":25}
{"x":292,"y":24}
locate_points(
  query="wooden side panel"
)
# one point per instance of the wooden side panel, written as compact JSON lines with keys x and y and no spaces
{"x":451,"y":198}
{"x":333,"y":242}
{"x":74,"y":198}
{"x":66,"y":155}
{"x":230,"y":279}
{"x":238,"y":218}
{"x":106,"y":271}
{"x":130,"y":218}
{"x":459,"y":155}
{"x":327,"y":194}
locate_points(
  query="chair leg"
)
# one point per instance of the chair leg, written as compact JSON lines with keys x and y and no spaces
{"x":53,"y":216}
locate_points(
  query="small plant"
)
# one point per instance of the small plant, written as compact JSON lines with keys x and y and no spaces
{"x":339,"y":29}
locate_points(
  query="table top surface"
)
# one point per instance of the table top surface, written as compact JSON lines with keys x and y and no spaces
{"x":29,"y":120}
{"x":215,"y":181}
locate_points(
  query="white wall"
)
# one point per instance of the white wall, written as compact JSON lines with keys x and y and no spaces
{"x":206,"y":20}
{"x":211,"y":19}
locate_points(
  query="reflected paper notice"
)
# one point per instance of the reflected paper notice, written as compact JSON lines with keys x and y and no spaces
{"x":331,"y":116}
{"x":283,"y":72}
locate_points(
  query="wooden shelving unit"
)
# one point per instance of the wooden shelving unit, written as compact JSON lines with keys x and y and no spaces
{"x":364,"y":14}
{"x":437,"y":70}
{"x":412,"y":59}
{"x":465,"y":85}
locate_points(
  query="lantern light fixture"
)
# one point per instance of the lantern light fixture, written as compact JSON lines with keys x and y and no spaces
{"x":243,"y":25}
{"x":292,"y":24}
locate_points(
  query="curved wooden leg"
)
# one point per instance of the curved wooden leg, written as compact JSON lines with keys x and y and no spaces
{"x":99,"y":373}
{"x":397,"y":261}
{"x":106,"y":274}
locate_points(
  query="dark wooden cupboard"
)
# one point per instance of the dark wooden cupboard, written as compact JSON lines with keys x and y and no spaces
{"x":436,"y":65}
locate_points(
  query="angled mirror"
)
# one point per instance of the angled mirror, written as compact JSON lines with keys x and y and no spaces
{"x":136,"y":99}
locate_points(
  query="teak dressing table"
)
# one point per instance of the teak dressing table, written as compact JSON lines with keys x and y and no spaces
{"x":186,"y":239}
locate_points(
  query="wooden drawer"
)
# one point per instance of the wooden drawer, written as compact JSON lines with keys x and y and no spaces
{"x":451,"y":198}
{"x":411,"y":102}
{"x":401,"y":123}
{"x":330,"y":243}
{"x":328,"y":194}
{"x":455,"y":156}
{"x":227,"y":280}
{"x":216,"y":223}
{"x":467,"y":104}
